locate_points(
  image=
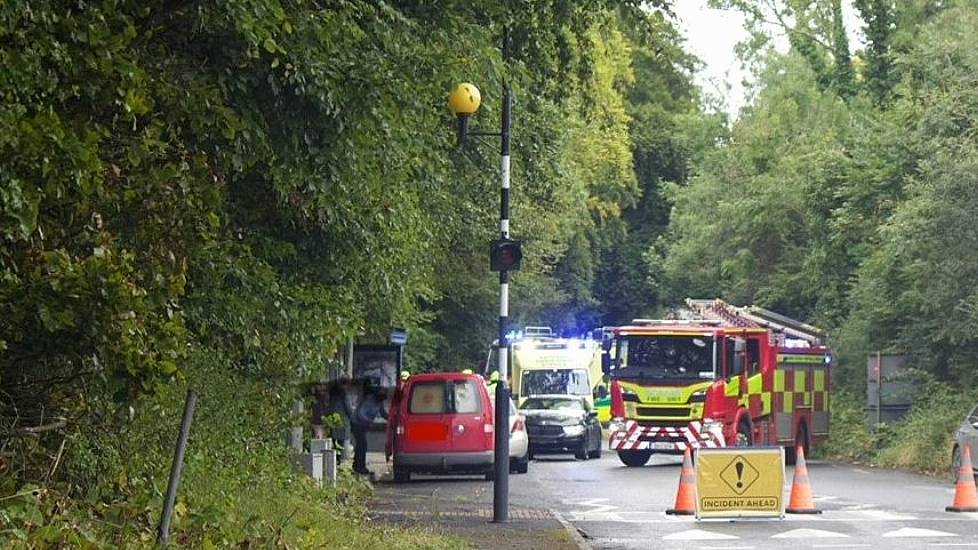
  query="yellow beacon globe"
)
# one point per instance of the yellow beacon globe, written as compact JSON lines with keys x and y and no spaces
{"x":464,"y":99}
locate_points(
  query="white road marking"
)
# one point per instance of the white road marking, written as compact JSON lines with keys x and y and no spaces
{"x":885,"y":515}
{"x":915,"y":532}
{"x":842,"y":546}
{"x":699,"y":534}
{"x":809,"y":534}
{"x":856,"y":507}
{"x":950,"y":544}
{"x":595,"y":505}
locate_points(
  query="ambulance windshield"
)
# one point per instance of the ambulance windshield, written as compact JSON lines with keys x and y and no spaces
{"x":665,"y":357}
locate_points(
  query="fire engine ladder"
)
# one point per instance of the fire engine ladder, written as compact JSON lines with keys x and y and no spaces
{"x":754,"y":316}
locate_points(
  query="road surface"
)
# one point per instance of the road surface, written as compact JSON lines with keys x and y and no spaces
{"x":613,"y":506}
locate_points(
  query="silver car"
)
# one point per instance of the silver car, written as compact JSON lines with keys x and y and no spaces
{"x":967,"y":435}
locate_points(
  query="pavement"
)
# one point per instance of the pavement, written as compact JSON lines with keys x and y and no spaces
{"x":601,"y":504}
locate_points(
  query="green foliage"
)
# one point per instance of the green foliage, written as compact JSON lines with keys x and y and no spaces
{"x":238,"y":486}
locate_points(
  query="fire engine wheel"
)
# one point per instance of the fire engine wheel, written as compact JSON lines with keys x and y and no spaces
{"x":634,"y":459}
{"x":801,"y":440}
{"x":743,"y":438}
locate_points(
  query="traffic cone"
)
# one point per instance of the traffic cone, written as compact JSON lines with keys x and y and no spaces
{"x":965,"y":497}
{"x":801,"y":490}
{"x":686,"y":495}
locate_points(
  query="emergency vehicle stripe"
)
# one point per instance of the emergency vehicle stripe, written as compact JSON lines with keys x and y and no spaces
{"x":819,"y":380}
{"x":779,"y":380}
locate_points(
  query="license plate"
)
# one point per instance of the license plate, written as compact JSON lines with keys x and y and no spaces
{"x":661,"y":446}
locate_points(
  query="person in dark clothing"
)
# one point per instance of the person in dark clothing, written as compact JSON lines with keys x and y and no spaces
{"x":339,"y":405}
{"x":370,"y":407}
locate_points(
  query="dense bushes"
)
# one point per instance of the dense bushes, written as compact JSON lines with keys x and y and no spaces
{"x":238,"y":486}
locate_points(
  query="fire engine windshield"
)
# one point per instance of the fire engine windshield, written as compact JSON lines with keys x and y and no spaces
{"x":671,"y":357}
{"x":555,"y":382}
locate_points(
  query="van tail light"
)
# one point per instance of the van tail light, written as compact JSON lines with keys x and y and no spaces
{"x":487,"y":428}
{"x":519,"y":425}
{"x":617,"y":400}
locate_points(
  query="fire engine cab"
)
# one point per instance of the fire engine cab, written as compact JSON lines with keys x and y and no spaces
{"x":721,"y":375}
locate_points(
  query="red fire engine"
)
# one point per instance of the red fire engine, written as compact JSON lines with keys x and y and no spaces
{"x":725,"y":376}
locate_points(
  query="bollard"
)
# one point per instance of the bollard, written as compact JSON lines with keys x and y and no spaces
{"x":295,"y":439}
{"x":319,"y":445}
{"x":329,"y":466}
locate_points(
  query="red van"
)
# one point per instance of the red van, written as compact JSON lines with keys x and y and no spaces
{"x":441,"y":423}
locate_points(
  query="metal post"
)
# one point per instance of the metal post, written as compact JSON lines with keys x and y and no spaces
{"x":879,"y":389}
{"x":163,"y":535}
{"x":500,"y":488}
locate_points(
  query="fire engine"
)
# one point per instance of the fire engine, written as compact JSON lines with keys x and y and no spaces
{"x":723,"y":375}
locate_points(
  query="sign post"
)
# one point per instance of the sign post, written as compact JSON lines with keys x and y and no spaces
{"x":738,"y":482}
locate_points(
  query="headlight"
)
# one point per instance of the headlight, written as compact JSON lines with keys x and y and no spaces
{"x":628,"y":395}
{"x":573,"y":430}
{"x":698,"y":397}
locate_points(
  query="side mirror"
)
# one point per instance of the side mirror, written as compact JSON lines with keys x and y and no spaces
{"x":605,"y":362}
{"x":738,"y":364}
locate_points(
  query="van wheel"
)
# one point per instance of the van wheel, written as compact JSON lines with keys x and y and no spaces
{"x":491,"y":475}
{"x":401,"y":474}
{"x":634,"y":459}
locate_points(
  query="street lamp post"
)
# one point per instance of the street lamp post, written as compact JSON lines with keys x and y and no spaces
{"x":505,"y":256}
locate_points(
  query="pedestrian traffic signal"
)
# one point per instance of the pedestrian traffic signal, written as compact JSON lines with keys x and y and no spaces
{"x":505,"y":255}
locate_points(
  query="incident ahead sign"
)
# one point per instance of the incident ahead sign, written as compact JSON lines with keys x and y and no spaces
{"x":740,"y":482}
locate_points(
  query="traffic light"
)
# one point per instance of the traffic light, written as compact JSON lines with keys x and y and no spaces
{"x":505,"y":255}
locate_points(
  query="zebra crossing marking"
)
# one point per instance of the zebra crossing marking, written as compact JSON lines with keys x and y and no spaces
{"x":809,"y":534}
{"x":917,"y":532}
{"x":699,"y":534}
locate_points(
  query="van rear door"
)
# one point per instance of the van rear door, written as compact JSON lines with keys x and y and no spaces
{"x":472,"y":419}
{"x":426,"y":422}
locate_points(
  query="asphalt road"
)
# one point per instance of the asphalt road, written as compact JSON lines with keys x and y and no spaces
{"x":618,"y":507}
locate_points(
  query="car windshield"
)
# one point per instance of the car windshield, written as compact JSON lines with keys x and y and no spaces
{"x":553,"y":403}
{"x":658,"y":357}
{"x":555,"y":381}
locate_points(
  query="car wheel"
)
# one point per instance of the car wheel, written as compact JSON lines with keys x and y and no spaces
{"x":596,"y":453}
{"x":491,"y":475}
{"x":634,"y":459}
{"x":581,"y":452}
{"x":521,"y":465}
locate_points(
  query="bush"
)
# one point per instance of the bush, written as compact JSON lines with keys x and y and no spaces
{"x":921,"y":442}
{"x":238,"y":488}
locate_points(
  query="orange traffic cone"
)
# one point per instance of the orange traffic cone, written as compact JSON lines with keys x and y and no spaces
{"x":801,"y":491}
{"x":686,"y":495}
{"x":965,"y":497}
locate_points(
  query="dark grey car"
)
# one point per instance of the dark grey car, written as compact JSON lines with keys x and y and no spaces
{"x":562,"y":424}
{"x":967,"y":435}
